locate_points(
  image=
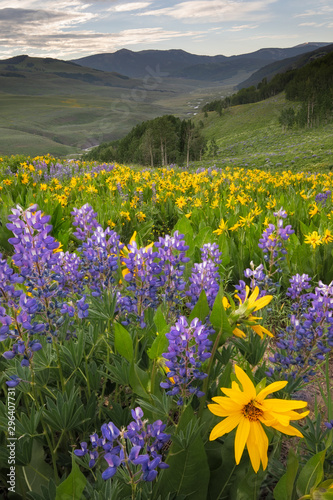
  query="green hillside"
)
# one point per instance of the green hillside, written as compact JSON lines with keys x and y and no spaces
{"x":250,"y":135}
{"x":64,"y":107}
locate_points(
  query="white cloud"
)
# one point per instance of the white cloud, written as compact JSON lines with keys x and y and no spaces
{"x":126,"y":7}
{"x":313,"y":24}
{"x":322,"y":11}
{"x":214,"y":10}
{"x":243,"y":27}
{"x":72,"y":44}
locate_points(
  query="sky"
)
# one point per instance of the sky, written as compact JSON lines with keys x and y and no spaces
{"x":70,"y":29}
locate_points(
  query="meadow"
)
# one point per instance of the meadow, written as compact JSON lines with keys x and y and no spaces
{"x":167,"y":334}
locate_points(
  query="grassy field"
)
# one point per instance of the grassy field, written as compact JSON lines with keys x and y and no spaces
{"x":250,"y":136}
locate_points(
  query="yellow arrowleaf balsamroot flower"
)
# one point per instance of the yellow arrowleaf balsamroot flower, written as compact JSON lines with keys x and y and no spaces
{"x":223,"y":227}
{"x":313,"y":239}
{"x":327,"y":237}
{"x":243,"y":314}
{"x":247,"y":409}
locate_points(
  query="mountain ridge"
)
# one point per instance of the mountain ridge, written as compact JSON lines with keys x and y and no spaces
{"x":181,"y":64}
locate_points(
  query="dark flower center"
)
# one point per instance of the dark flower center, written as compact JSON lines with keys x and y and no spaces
{"x":252,"y":412}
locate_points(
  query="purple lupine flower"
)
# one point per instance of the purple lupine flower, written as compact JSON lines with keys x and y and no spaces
{"x":205,"y":276}
{"x":85,"y":221}
{"x":309,"y":336}
{"x":143,"y":279}
{"x":172,"y":257}
{"x":138,"y":445}
{"x":188,"y":349}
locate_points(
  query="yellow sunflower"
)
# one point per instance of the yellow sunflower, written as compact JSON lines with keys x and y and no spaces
{"x":247,"y":409}
{"x":243,"y":314}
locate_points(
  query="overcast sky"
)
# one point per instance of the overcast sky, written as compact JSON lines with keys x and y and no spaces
{"x":68,"y":29}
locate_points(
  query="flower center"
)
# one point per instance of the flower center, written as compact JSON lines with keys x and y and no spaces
{"x":252,"y":412}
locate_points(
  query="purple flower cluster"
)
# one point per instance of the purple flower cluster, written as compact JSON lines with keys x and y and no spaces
{"x":205,"y":275}
{"x":138,"y":445}
{"x":188,"y":348}
{"x":323,"y":197}
{"x":309,"y":337}
{"x":85,"y":221}
{"x":272,"y":243}
{"x":171,"y":255}
{"x":32,"y":301}
{"x":99,"y":262}
{"x":143,"y":279}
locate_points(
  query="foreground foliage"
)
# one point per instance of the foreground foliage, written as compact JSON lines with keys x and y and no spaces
{"x":115,"y":342}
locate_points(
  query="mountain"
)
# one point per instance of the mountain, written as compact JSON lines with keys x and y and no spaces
{"x":284,"y":65}
{"x":37,"y":76}
{"x":181,"y":64}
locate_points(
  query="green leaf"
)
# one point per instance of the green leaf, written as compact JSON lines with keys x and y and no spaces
{"x":219,"y":318}
{"x":160,"y":344}
{"x":73,"y":486}
{"x":285,"y":487}
{"x":311,"y":474}
{"x":123,"y":342}
{"x":188,"y":473}
{"x":139,"y":380}
{"x":201,"y":309}
{"x":159,"y":320}
{"x":37,"y":473}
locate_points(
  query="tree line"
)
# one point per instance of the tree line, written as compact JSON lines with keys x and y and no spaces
{"x":158,"y":142}
{"x":311,"y":86}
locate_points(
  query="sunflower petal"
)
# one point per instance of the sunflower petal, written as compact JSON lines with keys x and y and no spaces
{"x":227,"y":425}
{"x":263,"y":302}
{"x":275,"y":386}
{"x":242,"y":434}
{"x":253,"y":297}
{"x":283,"y":405}
{"x":238,"y":333}
{"x":253,"y":449}
{"x":227,"y":403}
{"x":289,"y":430}
{"x":246,"y":382}
{"x":237,"y":396}
{"x":219,"y":410}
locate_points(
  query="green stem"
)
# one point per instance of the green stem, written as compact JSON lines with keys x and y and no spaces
{"x":206,"y":381}
{"x":62,"y":381}
{"x":329,"y":398}
{"x":53,"y":456}
{"x":152,"y":378}
{"x":106,"y":369}
{"x":226,"y":483}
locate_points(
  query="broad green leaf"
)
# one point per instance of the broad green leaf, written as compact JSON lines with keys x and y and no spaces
{"x":37,"y":473}
{"x":159,"y":320}
{"x":123,"y":342}
{"x":285,"y":487}
{"x":72,"y":488}
{"x":160,"y":344}
{"x":311,"y":474}
{"x":139,"y":380}
{"x":188,"y":473}
{"x":201,"y":309}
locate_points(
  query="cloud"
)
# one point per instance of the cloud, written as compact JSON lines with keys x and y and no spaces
{"x":126,"y":7}
{"x":214,"y":10}
{"x":322,"y":11}
{"x":243,"y":27}
{"x":313,"y":24}
{"x":73,"y":44}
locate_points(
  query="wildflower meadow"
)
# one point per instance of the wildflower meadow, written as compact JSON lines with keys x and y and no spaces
{"x":165,"y":334}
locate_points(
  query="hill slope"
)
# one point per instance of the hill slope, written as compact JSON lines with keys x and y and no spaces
{"x":284,"y":65}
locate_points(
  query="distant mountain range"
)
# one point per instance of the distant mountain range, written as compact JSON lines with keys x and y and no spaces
{"x":181,"y":64}
{"x":284,"y":65}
